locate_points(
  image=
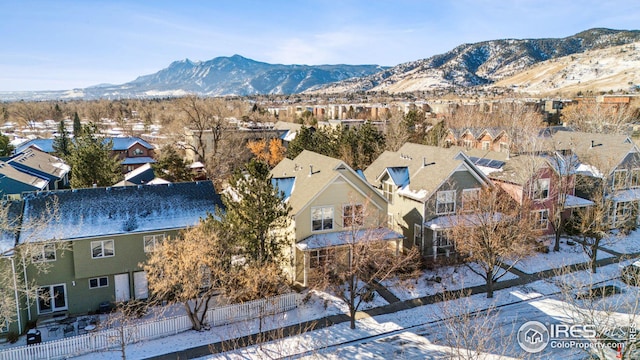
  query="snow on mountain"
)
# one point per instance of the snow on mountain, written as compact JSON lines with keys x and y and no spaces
{"x":481,"y":63}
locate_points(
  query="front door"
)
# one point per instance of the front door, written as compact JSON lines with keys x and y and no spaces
{"x":123,"y":293}
{"x":140,"y":289}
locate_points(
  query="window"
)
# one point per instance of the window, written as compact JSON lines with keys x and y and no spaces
{"x":352,"y":215}
{"x":485,"y":145}
{"x":99,"y":282}
{"x":417,"y":234}
{"x":623,"y":212}
{"x":635,"y":178}
{"x":541,"y":217}
{"x":103,"y":248}
{"x":619,"y":179}
{"x":151,"y":241}
{"x":468,"y":143}
{"x":387,"y":191}
{"x":52,"y":298}
{"x":470,"y":199}
{"x":137,"y":152}
{"x":446,"y":202}
{"x":319,"y":258}
{"x":540,"y":189}
{"x":442,"y":245}
{"x":504,"y":147}
{"x":390,"y":222}
{"x":46,"y":252}
{"x":322,"y":218}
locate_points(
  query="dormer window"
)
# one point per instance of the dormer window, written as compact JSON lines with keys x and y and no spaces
{"x":137,"y":152}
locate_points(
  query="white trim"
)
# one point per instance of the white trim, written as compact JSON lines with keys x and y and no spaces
{"x":539,"y":217}
{"x":41,"y":256}
{"x":52,"y":300}
{"x":446,"y":193}
{"x":102,"y":246}
{"x":97,"y":279}
{"x":156,"y":239}
{"x":333,"y":217}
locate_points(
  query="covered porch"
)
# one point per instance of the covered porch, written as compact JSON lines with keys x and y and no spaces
{"x":316,"y":250}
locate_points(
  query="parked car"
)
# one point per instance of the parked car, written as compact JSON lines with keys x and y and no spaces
{"x":630,"y":274}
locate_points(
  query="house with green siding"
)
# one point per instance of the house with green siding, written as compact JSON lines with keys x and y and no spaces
{"x":107,"y":233}
{"x":425,"y":187}
{"x":332,"y":206}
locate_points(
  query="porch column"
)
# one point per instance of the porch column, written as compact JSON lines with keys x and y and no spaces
{"x":397,"y":247}
{"x":305,"y":267}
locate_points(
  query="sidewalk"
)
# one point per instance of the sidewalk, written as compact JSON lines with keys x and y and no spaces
{"x":394,"y":305}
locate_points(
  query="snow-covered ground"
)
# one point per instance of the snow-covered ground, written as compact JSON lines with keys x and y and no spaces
{"x":381,"y":336}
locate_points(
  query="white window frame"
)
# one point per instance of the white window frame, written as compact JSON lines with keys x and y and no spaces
{"x":445,"y":194}
{"x":504,"y":147}
{"x":390,"y":221}
{"x":634,"y":179}
{"x":616,"y":177}
{"x":541,"y":192}
{"x":438,"y":237}
{"x":470,"y":195}
{"x":99,"y":282}
{"x":486,"y":145}
{"x":318,"y":258}
{"x":54,"y":308}
{"x":388,"y":190}
{"x":467,"y":143}
{"x":324,"y":212}
{"x":43,"y":251}
{"x":150,"y":242}
{"x":102,"y":246}
{"x":417,"y":234}
{"x":137,"y":152}
{"x":357,"y":217}
{"x":539,"y":219}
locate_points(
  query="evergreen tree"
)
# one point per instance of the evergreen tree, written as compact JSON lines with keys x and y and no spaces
{"x":77,"y":126}
{"x":62,"y":144}
{"x":5,"y":145}
{"x":321,"y":141}
{"x":171,"y":166}
{"x":92,"y":161}
{"x":254,"y":207}
{"x":302,"y":141}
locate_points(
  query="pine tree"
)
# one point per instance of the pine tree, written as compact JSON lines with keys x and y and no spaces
{"x":92,"y":161}
{"x":254,"y":207}
{"x":171,"y":166}
{"x":5,"y":145}
{"x":62,"y":144}
{"x":77,"y":126}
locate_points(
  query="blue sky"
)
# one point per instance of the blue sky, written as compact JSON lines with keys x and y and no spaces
{"x":55,"y":45}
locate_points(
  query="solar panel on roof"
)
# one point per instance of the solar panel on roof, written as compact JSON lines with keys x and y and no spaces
{"x":483,"y":162}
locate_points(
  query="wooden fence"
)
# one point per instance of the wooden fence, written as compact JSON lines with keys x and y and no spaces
{"x":114,"y":338}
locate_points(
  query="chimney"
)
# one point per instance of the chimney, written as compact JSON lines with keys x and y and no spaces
{"x":310,"y":170}
{"x":424,"y":161}
{"x":592,"y":143}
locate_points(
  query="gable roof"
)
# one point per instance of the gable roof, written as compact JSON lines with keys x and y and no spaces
{"x":604,"y":151}
{"x":427,"y":167}
{"x":119,"y":144}
{"x":8,"y":171}
{"x":40,"y":162}
{"x":307,"y":174}
{"x":93,"y":212}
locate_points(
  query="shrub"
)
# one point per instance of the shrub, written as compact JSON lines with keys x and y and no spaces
{"x":12,"y":337}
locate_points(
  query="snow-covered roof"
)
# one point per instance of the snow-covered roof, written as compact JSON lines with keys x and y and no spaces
{"x":572,"y":201}
{"x":141,"y":175}
{"x":338,"y":238}
{"x":626,"y":195}
{"x":124,"y":143}
{"x":449,"y":221}
{"x":138,"y":160}
{"x":12,"y":212}
{"x":119,"y":210}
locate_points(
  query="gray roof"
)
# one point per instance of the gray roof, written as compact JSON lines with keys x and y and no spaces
{"x":428,"y":166}
{"x":9,"y":171}
{"x":92,"y":212}
{"x":41,"y":161}
{"x":603,"y":151}
{"x":323,"y":170}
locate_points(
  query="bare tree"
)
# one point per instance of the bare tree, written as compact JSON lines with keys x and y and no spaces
{"x":396,"y":130}
{"x":351,"y":271}
{"x":470,"y":333}
{"x":610,"y":311}
{"x":31,"y":252}
{"x":191,"y":269}
{"x":600,"y":118}
{"x":206,"y":120}
{"x":493,"y":233}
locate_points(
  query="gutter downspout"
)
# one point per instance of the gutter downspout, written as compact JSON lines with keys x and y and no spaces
{"x":26,"y":287}
{"x":15,"y":291}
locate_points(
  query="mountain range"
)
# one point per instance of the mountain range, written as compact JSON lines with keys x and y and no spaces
{"x":487,"y":63}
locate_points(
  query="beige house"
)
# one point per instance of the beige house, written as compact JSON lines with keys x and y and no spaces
{"x":332,"y":207}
